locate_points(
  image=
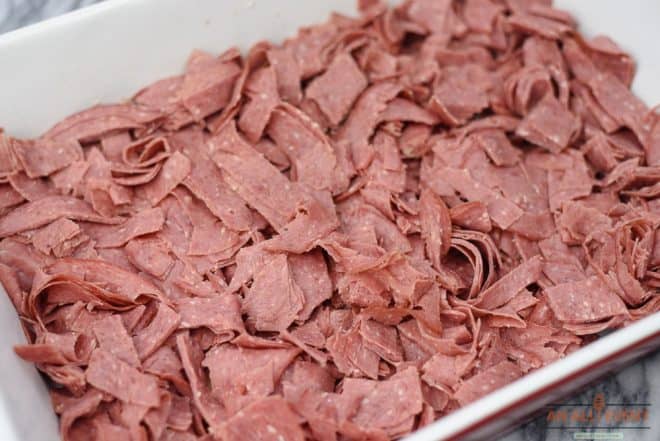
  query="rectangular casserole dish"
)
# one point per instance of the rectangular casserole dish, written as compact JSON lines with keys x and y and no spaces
{"x":106,"y":52}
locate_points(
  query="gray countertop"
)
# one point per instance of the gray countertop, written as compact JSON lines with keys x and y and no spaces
{"x":639,"y":383}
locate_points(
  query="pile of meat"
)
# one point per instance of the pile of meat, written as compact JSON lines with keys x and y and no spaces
{"x":346,"y":236}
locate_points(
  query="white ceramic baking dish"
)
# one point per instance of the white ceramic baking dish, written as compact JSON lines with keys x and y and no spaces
{"x":106,"y":52}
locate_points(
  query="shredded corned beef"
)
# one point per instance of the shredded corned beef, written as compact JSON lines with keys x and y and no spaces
{"x":345,"y":236}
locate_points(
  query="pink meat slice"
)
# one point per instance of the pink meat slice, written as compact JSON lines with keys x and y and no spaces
{"x":619,"y":102}
{"x":113,"y":145}
{"x":315,"y":220}
{"x":44,"y":157}
{"x":166,"y":364}
{"x":154,"y":335}
{"x":146,"y":152}
{"x":400,"y":109}
{"x":240,"y":375}
{"x":221,"y":313}
{"x":9,"y":197}
{"x":577,"y":220}
{"x":382,"y":340}
{"x":608,"y":56}
{"x":432,"y":16}
{"x":363,"y":119}
{"x":549,"y":125}
{"x":214,"y":239}
{"x":288,"y":74}
{"x":31,"y":189}
{"x":386,"y":404}
{"x":207,"y":183}
{"x":584,"y":301}
{"x":269,"y":419}
{"x":546,"y":53}
{"x":480,"y":14}
{"x":113,"y":337}
{"x":119,"y":281}
{"x":207,"y":85}
{"x":526,"y":87}
{"x":337,"y":88}
{"x":156,"y":418}
{"x":652,"y":146}
{"x":308,"y":149}
{"x":471,"y":215}
{"x":487,"y":381}
{"x":600,"y":153}
{"x":273,"y":153}
{"x":255,"y":179}
{"x":43,"y":353}
{"x":442,"y":371}
{"x":132,"y":177}
{"x":44,"y":211}
{"x":570,"y":184}
{"x":498,"y":147}
{"x":54,"y":236}
{"x":502,"y":211}
{"x":73,"y":410}
{"x":310,"y":273}
{"x":96,"y":122}
{"x":540,"y":25}
{"x":349,"y":353}
{"x":150,"y":255}
{"x":160,"y":94}
{"x":311,"y":375}
{"x":121,"y":380}
{"x":511,"y":284}
{"x":144,"y":222}
{"x":435,"y":223}
{"x":462,"y":93}
{"x":175,"y":169}
{"x":180,"y":415}
{"x":209,"y":236}
{"x":274,"y":300}
{"x":261,"y":87}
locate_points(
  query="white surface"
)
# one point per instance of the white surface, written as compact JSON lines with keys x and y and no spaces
{"x":634,"y":25}
{"x":107,"y":52}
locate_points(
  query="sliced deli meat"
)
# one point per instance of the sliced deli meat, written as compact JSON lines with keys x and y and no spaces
{"x":549,"y":125}
{"x":105,"y":119}
{"x":58,"y":237}
{"x":175,"y":169}
{"x":221,"y":314}
{"x":42,"y":158}
{"x":255,"y":179}
{"x":587,"y":300}
{"x":487,"y":381}
{"x":162,"y":325}
{"x":268,"y":419}
{"x":462,"y":93}
{"x":126,"y":382}
{"x":152,"y":256}
{"x":144,"y":222}
{"x":337,"y":88}
{"x":344,"y":236}
{"x":113,"y":337}
{"x":274,"y":299}
{"x":41,"y":212}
